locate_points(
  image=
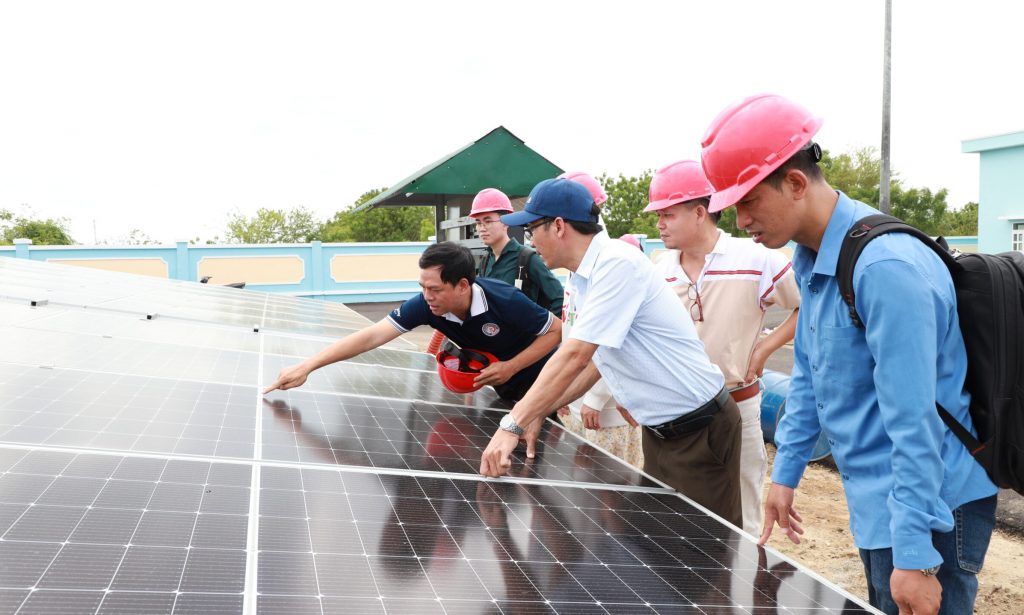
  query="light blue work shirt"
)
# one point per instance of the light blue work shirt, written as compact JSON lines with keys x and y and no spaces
{"x":873,"y":390}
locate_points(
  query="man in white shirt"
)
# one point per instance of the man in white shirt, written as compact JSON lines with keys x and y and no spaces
{"x":629,"y":330}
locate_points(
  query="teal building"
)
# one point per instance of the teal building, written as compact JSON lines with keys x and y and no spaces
{"x":1000,"y":191}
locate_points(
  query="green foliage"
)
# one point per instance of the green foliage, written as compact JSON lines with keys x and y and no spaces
{"x":857,"y":174}
{"x":273,"y":226}
{"x":380,"y":223}
{"x":623,"y":211}
{"x":921,"y":208}
{"x":963,"y":221}
{"x":52,"y":232}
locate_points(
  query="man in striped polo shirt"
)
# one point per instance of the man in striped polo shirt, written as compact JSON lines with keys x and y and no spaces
{"x":726,"y":284}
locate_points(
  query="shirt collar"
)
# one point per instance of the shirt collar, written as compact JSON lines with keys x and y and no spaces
{"x":586,"y":266}
{"x":824,"y":262}
{"x":511,"y":247}
{"x":722,"y":243}
{"x":476,"y":307}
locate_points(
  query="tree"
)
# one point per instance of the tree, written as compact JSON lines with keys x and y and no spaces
{"x":623,"y":211}
{"x":50,"y":231}
{"x":857,"y":174}
{"x":963,"y":221}
{"x":380,"y":223}
{"x":273,"y":226}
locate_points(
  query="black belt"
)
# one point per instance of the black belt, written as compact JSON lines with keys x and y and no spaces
{"x":692,"y":421}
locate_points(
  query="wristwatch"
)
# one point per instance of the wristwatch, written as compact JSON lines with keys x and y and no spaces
{"x":931,"y":572}
{"x":509,"y":424}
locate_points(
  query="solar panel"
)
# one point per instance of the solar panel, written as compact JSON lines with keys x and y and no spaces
{"x":141,"y":472}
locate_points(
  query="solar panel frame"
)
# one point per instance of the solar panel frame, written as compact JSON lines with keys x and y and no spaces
{"x":431,"y":540}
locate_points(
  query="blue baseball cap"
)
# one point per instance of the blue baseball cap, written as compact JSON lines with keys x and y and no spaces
{"x":555,"y":198}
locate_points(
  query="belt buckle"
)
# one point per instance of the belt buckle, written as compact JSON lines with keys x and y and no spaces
{"x":657,"y":433}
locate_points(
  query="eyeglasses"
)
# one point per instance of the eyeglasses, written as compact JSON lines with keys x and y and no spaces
{"x":531,"y":228}
{"x":483,"y":223}
{"x":694,"y":296}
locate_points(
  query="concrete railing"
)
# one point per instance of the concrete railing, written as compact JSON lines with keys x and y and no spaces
{"x":344,"y":272}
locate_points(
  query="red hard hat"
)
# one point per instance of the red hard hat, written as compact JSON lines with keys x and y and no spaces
{"x":677,"y":183}
{"x":490,"y":199}
{"x":591,"y":184}
{"x":749,"y":140}
{"x":458,"y":367}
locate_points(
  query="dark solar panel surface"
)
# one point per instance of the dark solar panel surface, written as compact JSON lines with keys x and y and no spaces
{"x":141,"y":472}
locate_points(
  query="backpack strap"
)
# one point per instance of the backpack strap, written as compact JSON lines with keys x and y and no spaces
{"x":863,"y":231}
{"x":975,"y":447}
{"x":523,"y":265}
{"x":857,"y":238}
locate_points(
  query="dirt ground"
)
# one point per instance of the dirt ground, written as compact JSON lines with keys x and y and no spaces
{"x":827,"y":546}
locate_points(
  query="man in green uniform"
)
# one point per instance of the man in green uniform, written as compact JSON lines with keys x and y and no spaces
{"x":504,"y":260}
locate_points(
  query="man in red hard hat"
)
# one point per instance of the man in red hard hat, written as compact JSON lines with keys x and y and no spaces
{"x":628,"y":329}
{"x":726,"y":284}
{"x":921,"y":508}
{"x":475,"y":313}
{"x":505,"y":260}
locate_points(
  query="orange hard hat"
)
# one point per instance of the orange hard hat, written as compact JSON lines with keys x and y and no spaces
{"x":677,"y":183}
{"x":458,"y":367}
{"x":591,"y":184}
{"x":488,"y":200}
{"x":749,"y":140}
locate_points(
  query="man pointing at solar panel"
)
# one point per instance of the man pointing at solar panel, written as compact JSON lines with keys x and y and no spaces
{"x":628,"y":329}
{"x":501,"y":338}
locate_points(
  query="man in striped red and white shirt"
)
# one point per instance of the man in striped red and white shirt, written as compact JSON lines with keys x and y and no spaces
{"x":726,"y":284}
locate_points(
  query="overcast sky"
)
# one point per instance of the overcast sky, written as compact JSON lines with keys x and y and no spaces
{"x":168,"y":116}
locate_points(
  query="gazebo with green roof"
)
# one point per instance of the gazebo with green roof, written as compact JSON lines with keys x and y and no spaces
{"x":499,"y":159}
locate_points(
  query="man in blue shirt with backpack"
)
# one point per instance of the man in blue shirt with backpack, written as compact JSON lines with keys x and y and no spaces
{"x":922,"y":509}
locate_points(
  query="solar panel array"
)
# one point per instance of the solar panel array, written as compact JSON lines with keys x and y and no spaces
{"x":142,"y":472}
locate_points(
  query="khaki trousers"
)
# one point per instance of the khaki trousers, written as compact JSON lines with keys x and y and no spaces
{"x":703,"y":465}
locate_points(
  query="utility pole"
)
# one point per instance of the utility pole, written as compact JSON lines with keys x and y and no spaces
{"x":883,"y":187}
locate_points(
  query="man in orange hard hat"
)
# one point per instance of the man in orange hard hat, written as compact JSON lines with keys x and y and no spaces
{"x":506,"y":260}
{"x":726,"y":284}
{"x":921,"y":508}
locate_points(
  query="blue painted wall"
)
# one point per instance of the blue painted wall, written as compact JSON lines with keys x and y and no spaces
{"x":1000,"y":196}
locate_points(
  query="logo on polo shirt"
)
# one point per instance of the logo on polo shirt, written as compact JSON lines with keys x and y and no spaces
{"x":490,"y":329}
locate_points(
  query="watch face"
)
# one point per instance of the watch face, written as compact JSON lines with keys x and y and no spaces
{"x":509,"y":424}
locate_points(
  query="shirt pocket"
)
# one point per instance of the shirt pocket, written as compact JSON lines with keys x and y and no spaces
{"x":847,"y":364}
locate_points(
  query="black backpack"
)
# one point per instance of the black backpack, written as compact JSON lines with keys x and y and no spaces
{"x":525,"y":282}
{"x":990,"y":305}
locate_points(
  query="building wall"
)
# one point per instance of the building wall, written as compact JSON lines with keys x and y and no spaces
{"x":1000,"y":196}
{"x":1000,"y":199}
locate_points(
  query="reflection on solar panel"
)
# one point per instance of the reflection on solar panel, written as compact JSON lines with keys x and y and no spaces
{"x":141,"y":472}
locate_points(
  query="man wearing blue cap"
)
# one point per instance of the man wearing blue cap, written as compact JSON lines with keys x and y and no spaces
{"x":630,"y":331}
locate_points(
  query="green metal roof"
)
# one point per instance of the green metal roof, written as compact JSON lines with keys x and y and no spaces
{"x":499,"y":159}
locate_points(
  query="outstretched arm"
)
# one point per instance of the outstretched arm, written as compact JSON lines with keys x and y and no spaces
{"x":347,"y":347}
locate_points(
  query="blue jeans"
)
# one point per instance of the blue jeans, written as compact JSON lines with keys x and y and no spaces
{"x":963,"y":553}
